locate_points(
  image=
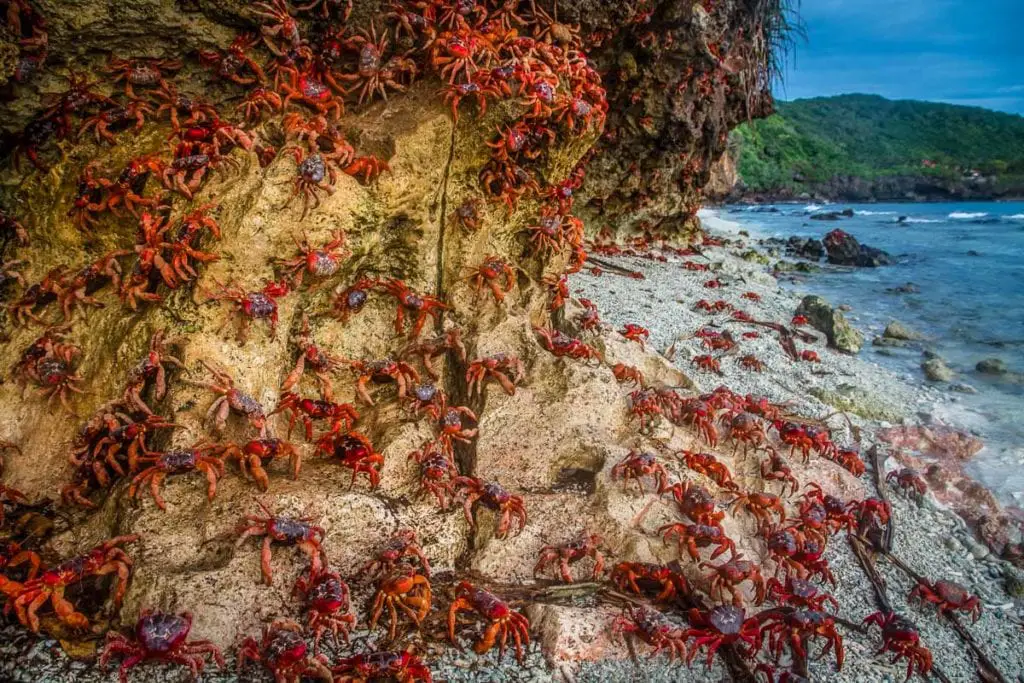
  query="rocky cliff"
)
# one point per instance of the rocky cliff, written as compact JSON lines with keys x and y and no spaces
{"x":178,"y":171}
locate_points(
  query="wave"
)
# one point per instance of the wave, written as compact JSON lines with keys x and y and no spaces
{"x":811,"y":208}
{"x":875,"y":213}
{"x":922,"y":220}
{"x":962,"y":215}
{"x":1016,"y":217}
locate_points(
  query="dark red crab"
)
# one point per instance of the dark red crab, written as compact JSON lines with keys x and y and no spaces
{"x":160,"y":637}
{"x":948,"y":597}
{"x":293,"y":531}
{"x":252,"y":305}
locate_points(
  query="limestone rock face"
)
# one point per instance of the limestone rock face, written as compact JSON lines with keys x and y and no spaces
{"x":554,"y":442}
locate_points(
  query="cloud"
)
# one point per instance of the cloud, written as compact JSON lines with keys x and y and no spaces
{"x":944,"y":50}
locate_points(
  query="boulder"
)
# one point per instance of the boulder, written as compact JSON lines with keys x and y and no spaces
{"x":897,"y":330}
{"x":844,"y":250}
{"x":822,"y":317}
{"x":907,"y":288}
{"x":890,"y":342}
{"x":991,"y":366}
{"x":936,"y":370}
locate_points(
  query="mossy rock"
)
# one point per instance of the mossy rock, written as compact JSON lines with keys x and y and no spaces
{"x":858,"y":401}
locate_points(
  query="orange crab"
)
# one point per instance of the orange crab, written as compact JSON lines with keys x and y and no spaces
{"x":626,"y":373}
{"x":761,"y":506}
{"x":495,"y":497}
{"x":409,"y":591}
{"x":417,"y":306}
{"x":504,"y":620}
{"x":293,"y":531}
{"x":491,"y":272}
{"x":731,"y":574}
{"x":498,"y":366}
{"x":177,"y":461}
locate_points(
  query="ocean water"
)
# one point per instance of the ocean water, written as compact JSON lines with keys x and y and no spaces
{"x":967,"y":260}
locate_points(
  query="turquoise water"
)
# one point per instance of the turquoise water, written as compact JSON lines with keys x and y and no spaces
{"x":967,"y":259}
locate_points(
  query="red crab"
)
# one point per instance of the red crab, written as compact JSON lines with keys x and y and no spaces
{"x":745,"y":428}
{"x":141,"y":72}
{"x":408,"y":591}
{"x":178,"y":105}
{"x":752,"y":363}
{"x":229,"y":400}
{"x":900,"y":636}
{"x":386,"y":369}
{"x":150,"y":368}
{"x":352,"y":299}
{"x":761,"y":506}
{"x":801,"y":594}
{"x":372,"y":75}
{"x":283,"y":650}
{"x":258,"y":100}
{"x":467,"y":214}
{"x":776,"y":469}
{"x":491,"y":272}
{"x":404,"y":544}
{"x":635,"y":333}
{"x":731,"y":574}
{"x":478,"y":88}
{"x":751,"y":296}
{"x":318,"y":262}
{"x":28,"y":598}
{"x":455,"y":52}
{"x":625,"y":373}
{"x":696,"y":536}
{"x":799,"y":320}
{"x":498,"y":366}
{"x":308,"y":410}
{"x":643,"y":577}
{"x":654,"y":628}
{"x":177,"y":461}
{"x":355,"y":451}
{"x":255,"y":455}
{"x":437,"y":472}
{"x":428,"y":350}
{"x":253,"y":305}
{"x":723,"y":625}
{"x":709,"y":466}
{"x":503,"y":620}
{"x":279,"y":25}
{"x":948,"y":597}
{"x":701,"y":416}
{"x":368,"y":167}
{"x":305,"y":88}
{"x":385,"y":665}
{"x":561,"y":344}
{"x":797,"y":628}
{"x":235,"y":64}
{"x":113,"y":119}
{"x":315,"y":175}
{"x":707,"y":363}
{"x":810,"y":356}
{"x":316,"y":359}
{"x":186,"y":172}
{"x":696,"y":503}
{"x":450,"y":427}
{"x":585,"y":545}
{"x":909,"y":480}
{"x":416,"y":306}
{"x":327,"y":603}
{"x":637,"y":466}
{"x":292,"y":531}
{"x":493,"y":496}
{"x":159,"y":637}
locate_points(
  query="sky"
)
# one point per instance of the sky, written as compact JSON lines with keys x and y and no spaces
{"x":968,"y":52}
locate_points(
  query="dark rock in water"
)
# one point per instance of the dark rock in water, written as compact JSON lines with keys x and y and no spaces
{"x":908,"y":288}
{"x":901,"y":219}
{"x":972,"y":252}
{"x":844,"y":250}
{"x":991,"y":366}
{"x":827,"y":216}
{"x":822,"y":317}
{"x":808,"y":248}
{"x":848,"y":213}
{"x":961,"y":388}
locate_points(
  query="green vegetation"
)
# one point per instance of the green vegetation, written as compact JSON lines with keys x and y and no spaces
{"x":812,"y":141}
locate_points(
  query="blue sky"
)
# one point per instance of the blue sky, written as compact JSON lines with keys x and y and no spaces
{"x":967,"y":52}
